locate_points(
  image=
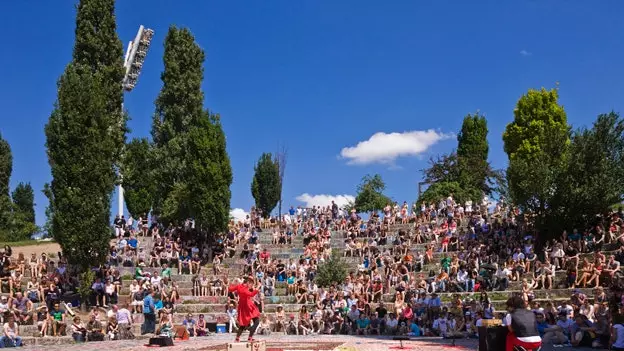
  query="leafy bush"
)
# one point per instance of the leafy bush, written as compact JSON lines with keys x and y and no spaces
{"x":84,"y":289}
{"x":332,"y":271}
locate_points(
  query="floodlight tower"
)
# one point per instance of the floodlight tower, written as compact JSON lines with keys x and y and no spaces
{"x":133,"y":62}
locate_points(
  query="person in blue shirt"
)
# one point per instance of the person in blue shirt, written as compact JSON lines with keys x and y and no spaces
{"x":190,"y":325}
{"x":415,"y":329}
{"x":149,"y":314}
{"x":363,"y":324}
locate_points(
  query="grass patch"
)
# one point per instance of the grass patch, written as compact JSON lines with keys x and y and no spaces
{"x":26,"y":243}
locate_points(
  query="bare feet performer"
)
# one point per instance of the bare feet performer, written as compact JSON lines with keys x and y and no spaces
{"x":247,"y":310}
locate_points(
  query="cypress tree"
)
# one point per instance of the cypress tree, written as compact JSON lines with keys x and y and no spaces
{"x":85,"y":135}
{"x":193,"y":173}
{"x":266,"y":184}
{"x":137,"y":177}
{"x":472,"y":155}
{"x":6,"y":168}
{"x":24,"y":202}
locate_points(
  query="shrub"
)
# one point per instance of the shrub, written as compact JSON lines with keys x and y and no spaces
{"x":332,"y":271}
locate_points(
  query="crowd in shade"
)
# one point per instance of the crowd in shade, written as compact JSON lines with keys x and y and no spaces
{"x":437,"y":269}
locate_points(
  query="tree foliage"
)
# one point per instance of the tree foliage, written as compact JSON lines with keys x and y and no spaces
{"x":370,"y":196}
{"x":266,"y":184}
{"x":138,"y":183}
{"x":85,"y":136}
{"x":536,"y":143}
{"x":24,"y":201}
{"x":474,"y":171}
{"x":466,"y":173}
{"x":210,"y":175}
{"x":332,"y":271}
{"x":192,"y":168}
{"x":591,"y":182}
{"x":6,"y":168}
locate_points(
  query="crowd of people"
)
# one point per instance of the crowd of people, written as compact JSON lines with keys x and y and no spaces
{"x":442,"y":248}
{"x":432,"y":277}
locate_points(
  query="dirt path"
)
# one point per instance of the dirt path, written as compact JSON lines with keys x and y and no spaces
{"x":37,"y":249}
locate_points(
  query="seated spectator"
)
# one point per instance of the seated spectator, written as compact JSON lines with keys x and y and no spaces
{"x":79,"y":332}
{"x":99,"y":291}
{"x":190,"y":324}
{"x":22,"y":309}
{"x":112,"y":329}
{"x":58,"y":320}
{"x":10,"y":336}
{"x":202,"y":327}
{"x":583,"y":332}
{"x":95,"y":331}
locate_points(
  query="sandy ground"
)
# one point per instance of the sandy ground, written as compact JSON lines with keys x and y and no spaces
{"x":37,"y":249}
{"x":276,"y":343}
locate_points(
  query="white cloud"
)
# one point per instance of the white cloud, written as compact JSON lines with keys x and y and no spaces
{"x":324,"y":200}
{"x":385,"y":148}
{"x":238,"y":214}
{"x":525,"y":53}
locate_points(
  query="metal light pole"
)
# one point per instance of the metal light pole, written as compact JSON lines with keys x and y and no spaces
{"x":133,"y":62}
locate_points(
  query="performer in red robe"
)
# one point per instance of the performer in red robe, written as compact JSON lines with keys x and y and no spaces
{"x":247,"y":309}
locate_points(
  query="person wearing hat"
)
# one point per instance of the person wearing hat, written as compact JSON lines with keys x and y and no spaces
{"x":248,"y":313}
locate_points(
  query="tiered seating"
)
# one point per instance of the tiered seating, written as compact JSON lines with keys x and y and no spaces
{"x":213,"y":307}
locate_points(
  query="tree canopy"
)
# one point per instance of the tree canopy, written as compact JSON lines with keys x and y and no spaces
{"x":370,"y":196}
{"x":266,"y":184}
{"x":6,"y":168}
{"x":192,"y":170}
{"x":24,"y":201}
{"x":536,"y":143}
{"x":137,"y":171}
{"x":466,"y":173}
{"x":85,"y":135}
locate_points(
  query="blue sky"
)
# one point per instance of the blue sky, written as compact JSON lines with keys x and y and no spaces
{"x":320,"y":76}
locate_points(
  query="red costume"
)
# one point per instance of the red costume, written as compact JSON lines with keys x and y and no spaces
{"x":247,"y":309}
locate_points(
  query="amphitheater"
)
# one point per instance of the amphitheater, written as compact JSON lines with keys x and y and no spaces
{"x":213,"y":307}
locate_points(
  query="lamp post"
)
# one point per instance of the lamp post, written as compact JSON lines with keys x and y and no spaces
{"x":133,"y":62}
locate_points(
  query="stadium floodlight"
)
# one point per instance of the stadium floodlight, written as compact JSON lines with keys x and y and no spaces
{"x":135,"y":56}
{"x":133,"y":62}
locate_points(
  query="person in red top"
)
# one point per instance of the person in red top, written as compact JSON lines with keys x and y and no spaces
{"x":247,"y":310}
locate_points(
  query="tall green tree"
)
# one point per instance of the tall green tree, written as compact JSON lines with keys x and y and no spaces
{"x":23,"y":216}
{"x":466,"y":173}
{"x":472,"y":153}
{"x":592,"y":182}
{"x":6,"y":168}
{"x":536,"y":144}
{"x":210,"y":175}
{"x":266,"y":184}
{"x":138,"y":183}
{"x":192,"y":168}
{"x":370,"y":196}
{"x":24,"y":201}
{"x":85,"y":136}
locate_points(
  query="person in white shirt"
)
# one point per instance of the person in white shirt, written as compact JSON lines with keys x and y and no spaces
{"x":10,"y":336}
{"x":440,"y":326}
{"x":391,"y":324}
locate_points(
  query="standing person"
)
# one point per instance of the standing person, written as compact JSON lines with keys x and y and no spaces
{"x":247,"y":310}
{"x":522,"y":326}
{"x":149,"y":313}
